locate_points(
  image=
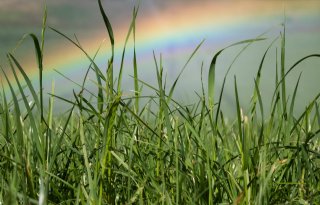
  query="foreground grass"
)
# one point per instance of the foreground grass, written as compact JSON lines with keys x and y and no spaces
{"x":111,"y":149}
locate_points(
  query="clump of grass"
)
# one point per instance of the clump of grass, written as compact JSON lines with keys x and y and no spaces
{"x":111,"y":149}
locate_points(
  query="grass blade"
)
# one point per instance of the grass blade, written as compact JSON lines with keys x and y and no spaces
{"x":212,"y":69}
{"x":132,"y":26}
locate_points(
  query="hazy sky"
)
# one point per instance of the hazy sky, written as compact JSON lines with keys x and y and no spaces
{"x":171,"y":27}
{"x":83,"y":18}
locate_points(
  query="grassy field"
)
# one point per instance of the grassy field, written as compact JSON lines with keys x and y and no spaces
{"x":114,"y":149}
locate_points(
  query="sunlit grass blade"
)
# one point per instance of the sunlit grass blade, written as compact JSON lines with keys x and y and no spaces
{"x":40,"y":66}
{"x":98,"y":72}
{"x":240,"y":121}
{"x":212,"y":69}
{"x":17,"y":111}
{"x":131,"y":28}
{"x":304,"y":113}
{"x":77,"y":84}
{"x":249,"y":42}
{"x":110,"y":62}
{"x":57,"y":146}
{"x":135,"y":66}
{"x":211,"y":79}
{"x":86,"y":161}
{"x":107,"y":24}
{"x":260,"y":101}
{"x":294,"y":97}
{"x":182,"y":70}
{"x":51,"y":101}
{"x":262,"y":129}
{"x":26,"y":78}
{"x":291,"y":69}
{"x":257,"y":79}
{"x":6,"y":125}
{"x":282,"y":73}
{"x":95,"y":66}
{"x":33,"y":123}
{"x":318,"y":114}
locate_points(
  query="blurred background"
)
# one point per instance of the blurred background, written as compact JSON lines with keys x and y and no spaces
{"x":172,"y":29}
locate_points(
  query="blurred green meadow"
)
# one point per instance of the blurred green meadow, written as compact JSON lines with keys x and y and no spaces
{"x":150,"y":144}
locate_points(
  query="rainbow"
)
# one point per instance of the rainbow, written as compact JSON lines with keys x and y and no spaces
{"x":179,"y":27}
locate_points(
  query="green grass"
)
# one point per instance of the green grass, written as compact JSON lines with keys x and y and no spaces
{"x":114,"y":149}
